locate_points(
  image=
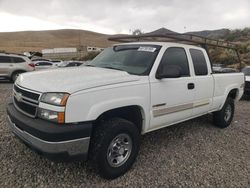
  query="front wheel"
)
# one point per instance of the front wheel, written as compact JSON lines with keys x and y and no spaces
{"x":224,"y":117}
{"x":114,"y":147}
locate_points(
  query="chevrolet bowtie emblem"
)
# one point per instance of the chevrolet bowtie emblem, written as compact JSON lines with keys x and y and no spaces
{"x":19,"y":97}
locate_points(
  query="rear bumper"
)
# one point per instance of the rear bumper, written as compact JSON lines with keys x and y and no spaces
{"x":56,"y":142}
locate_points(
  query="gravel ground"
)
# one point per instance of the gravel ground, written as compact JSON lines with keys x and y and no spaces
{"x":190,"y":154}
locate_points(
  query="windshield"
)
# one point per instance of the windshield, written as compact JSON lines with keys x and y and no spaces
{"x":134,"y":59}
{"x":246,"y":71}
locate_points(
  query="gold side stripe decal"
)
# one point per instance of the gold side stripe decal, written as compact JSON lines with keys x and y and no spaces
{"x":201,"y":103}
{"x":165,"y":111}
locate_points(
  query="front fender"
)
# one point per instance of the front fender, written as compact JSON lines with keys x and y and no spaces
{"x":88,"y":106}
{"x":99,"y":108}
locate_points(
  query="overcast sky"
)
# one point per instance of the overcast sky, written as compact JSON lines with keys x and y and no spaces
{"x":120,"y":16}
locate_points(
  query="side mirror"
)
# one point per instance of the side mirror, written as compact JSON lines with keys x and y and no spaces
{"x":168,"y":72}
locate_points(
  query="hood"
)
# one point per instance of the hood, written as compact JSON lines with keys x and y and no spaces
{"x":71,"y":80}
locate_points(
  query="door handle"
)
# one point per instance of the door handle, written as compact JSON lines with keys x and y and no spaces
{"x":11,"y":65}
{"x":191,"y":86}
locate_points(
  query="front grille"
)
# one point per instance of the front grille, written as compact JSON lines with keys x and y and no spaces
{"x":247,"y":84}
{"x":31,"y":110}
{"x":25,"y":93}
{"x":25,"y":101}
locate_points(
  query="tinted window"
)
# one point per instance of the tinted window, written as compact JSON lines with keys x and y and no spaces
{"x":43,"y":64}
{"x":70,"y":65}
{"x":176,"y":57}
{"x":199,"y":61}
{"x":18,"y":60}
{"x":73,"y":64}
{"x":5,"y":59}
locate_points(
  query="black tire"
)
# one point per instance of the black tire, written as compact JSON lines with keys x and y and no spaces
{"x":15,"y":75}
{"x":222,"y":118}
{"x":104,"y":135}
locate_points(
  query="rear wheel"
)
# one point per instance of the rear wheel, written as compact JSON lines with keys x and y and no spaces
{"x":114,"y":147}
{"x":224,"y":117}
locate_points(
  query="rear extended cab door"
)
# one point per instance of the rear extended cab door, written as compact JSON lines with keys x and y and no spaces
{"x":203,"y":81}
{"x":171,"y":98}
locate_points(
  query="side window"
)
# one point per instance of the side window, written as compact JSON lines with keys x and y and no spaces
{"x":49,"y":64}
{"x":5,"y":59}
{"x":177,"y":57}
{"x":18,"y":60}
{"x":199,"y":61}
{"x":43,"y":64}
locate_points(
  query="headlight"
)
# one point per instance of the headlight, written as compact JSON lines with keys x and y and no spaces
{"x":58,"y":99}
{"x":58,"y":117}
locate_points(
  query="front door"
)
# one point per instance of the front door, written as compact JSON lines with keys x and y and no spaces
{"x":172,"y":98}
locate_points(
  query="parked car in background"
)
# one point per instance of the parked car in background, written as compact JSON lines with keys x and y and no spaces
{"x":70,"y":64}
{"x":217,"y":67}
{"x":56,"y":62}
{"x":40,"y":59}
{"x":11,"y":65}
{"x":41,"y":65}
{"x":224,"y":70}
{"x":246,"y":71}
{"x":228,"y":70}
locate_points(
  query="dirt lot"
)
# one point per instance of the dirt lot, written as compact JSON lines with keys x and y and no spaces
{"x":190,"y":154}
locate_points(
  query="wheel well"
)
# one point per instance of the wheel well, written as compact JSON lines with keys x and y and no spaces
{"x":130,"y":113}
{"x":233,"y":93}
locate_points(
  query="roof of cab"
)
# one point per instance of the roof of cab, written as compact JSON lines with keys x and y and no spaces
{"x":167,"y":44}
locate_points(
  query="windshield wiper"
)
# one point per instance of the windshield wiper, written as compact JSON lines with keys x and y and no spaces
{"x":109,"y":67}
{"x":89,"y":65}
{"x":106,"y":67}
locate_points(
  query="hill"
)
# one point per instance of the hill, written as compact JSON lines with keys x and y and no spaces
{"x":162,"y":31}
{"x":38,"y":40}
{"x":19,"y":42}
{"x":238,"y":36}
{"x":220,"y":33}
{"x":242,"y":38}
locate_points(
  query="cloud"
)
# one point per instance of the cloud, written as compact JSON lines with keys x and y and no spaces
{"x":116,"y":16}
{"x":18,"y":23}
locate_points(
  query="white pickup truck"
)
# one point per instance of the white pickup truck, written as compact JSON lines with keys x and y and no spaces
{"x":99,"y":111}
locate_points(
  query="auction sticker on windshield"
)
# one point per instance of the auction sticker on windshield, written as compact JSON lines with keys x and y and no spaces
{"x":146,"y":49}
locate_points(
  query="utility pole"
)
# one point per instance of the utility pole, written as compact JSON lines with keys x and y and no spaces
{"x":79,"y":44}
{"x":185,"y":29}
